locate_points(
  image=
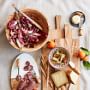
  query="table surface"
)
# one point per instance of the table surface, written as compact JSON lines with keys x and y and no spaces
{"x":49,"y":8}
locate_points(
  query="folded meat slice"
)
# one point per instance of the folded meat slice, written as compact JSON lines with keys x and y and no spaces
{"x":28,"y":82}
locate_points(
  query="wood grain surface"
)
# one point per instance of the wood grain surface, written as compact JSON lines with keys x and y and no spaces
{"x":63,"y":38}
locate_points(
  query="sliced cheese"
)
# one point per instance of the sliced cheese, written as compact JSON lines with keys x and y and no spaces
{"x":73,"y":77}
{"x":59,"y":78}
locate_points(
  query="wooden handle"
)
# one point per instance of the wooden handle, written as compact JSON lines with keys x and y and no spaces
{"x":57,"y":21}
{"x":67,"y":31}
{"x":75,"y":70}
{"x":63,"y":88}
{"x":80,"y":32}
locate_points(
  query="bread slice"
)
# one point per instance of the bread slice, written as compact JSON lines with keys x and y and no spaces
{"x":73,"y":77}
{"x":59,"y":78}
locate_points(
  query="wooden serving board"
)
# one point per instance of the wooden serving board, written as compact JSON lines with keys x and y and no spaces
{"x":63,"y":38}
{"x":22,"y":59}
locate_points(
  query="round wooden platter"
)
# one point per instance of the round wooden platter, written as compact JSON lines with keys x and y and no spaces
{"x":22,"y":58}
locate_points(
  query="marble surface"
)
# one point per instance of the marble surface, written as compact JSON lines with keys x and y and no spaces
{"x":49,"y":8}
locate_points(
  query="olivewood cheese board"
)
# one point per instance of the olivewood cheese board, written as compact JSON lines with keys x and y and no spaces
{"x":63,"y":38}
{"x":19,"y":72}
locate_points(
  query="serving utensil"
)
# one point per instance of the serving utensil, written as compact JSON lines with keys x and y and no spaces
{"x":31,"y":20}
{"x":72,"y":66}
{"x":80,"y":26}
{"x":17,"y":65}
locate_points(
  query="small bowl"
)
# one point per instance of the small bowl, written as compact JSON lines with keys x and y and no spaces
{"x":41,"y":20}
{"x":58,"y":67}
{"x":77,"y":13}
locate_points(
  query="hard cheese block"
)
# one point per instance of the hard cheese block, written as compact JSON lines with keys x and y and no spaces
{"x":59,"y":78}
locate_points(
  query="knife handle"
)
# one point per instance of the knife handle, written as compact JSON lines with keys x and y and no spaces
{"x":81,"y":32}
{"x":57,"y":21}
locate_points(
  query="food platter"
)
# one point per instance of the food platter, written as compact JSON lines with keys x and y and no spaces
{"x":22,"y":59}
{"x":63,"y":38}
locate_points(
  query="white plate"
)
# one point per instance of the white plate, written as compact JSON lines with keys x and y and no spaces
{"x":22,"y":59}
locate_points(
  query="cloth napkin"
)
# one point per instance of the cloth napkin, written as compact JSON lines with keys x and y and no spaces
{"x":49,"y":8}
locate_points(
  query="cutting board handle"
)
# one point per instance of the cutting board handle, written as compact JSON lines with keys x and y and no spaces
{"x":57,"y":21}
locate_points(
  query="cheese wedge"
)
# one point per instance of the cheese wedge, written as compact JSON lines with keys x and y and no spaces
{"x":59,"y":78}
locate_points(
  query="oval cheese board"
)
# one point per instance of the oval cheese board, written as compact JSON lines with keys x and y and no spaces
{"x":24,"y":68}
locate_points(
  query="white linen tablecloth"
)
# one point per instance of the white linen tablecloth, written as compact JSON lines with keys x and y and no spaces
{"x":49,"y":8}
